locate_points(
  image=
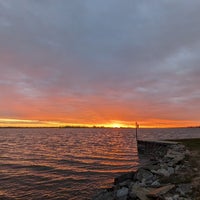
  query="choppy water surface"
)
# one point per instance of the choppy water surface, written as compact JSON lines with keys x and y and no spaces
{"x":69,"y":164}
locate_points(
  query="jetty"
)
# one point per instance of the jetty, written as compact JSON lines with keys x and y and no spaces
{"x":150,"y":148}
{"x":167,"y":176}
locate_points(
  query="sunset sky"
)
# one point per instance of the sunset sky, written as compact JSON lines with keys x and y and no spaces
{"x":100,"y":62}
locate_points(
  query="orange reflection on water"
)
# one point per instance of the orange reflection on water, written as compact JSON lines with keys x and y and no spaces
{"x":50,"y":159}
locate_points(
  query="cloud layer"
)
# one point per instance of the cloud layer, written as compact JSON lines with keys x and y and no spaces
{"x":100,"y":61}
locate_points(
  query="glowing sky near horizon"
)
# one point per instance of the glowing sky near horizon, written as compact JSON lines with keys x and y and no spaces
{"x":100,"y":62}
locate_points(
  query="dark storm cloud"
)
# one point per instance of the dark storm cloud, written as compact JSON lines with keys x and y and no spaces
{"x":132,"y":54}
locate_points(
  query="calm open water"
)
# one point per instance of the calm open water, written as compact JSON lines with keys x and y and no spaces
{"x":70,"y":164}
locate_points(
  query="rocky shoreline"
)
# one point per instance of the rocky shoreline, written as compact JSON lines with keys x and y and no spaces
{"x":167,"y":176}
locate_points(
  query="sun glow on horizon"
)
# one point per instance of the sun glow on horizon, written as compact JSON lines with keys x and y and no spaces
{"x":10,"y":122}
{"x":116,"y":125}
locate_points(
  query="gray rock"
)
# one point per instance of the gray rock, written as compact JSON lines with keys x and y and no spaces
{"x":171,"y":153}
{"x":170,"y":163}
{"x":178,"y":159}
{"x":184,"y":189}
{"x":162,"y":172}
{"x":177,"y":168}
{"x":124,"y":177}
{"x":164,"y":166}
{"x":169,"y":198}
{"x":125,"y":183}
{"x":176,"y":197}
{"x":150,"y":167}
{"x":143,"y":182}
{"x":156,"y":183}
{"x":187,"y":152}
{"x":175,"y":156}
{"x":132,"y":190}
{"x":147,"y":182}
{"x":178,"y":148}
{"x":171,"y":170}
{"x":122,"y":193}
{"x":143,"y":174}
{"x":195,"y":169}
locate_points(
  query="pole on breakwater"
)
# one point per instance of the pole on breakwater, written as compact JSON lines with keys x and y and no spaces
{"x":136,"y":130}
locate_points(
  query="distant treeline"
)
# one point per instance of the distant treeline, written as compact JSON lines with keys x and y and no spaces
{"x":62,"y":127}
{"x":86,"y":127}
{"x":193,"y":127}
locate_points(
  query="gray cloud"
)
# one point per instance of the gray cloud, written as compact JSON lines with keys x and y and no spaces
{"x":136,"y":54}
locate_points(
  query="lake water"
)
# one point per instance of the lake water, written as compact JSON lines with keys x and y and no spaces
{"x":69,"y":164}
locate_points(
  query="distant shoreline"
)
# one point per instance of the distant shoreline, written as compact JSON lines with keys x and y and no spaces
{"x":98,"y":127}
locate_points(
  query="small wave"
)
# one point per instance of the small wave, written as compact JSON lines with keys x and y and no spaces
{"x":40,"y":167}
{"x":97,"y":162}
{"x":104,"y":157}
{"x":33,"y":167}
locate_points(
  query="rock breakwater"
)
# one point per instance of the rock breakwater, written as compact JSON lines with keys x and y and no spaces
{"x":167,"y":176}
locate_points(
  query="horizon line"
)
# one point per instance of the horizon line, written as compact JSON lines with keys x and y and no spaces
{"x":123,"y":127}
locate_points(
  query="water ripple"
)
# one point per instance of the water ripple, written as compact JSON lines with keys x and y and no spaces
{"x":69,"y":164}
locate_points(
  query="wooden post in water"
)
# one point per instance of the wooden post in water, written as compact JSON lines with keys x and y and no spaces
{"x":136,"y":132}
